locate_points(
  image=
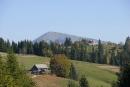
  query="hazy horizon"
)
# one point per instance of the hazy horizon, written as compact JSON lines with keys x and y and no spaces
{"x":108,"y":20}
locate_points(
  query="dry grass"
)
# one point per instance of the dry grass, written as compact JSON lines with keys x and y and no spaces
{"x":49,"y":81}
{"x":114,"y":69}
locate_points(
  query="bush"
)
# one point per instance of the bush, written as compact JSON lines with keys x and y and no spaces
{"x":60,"y":65}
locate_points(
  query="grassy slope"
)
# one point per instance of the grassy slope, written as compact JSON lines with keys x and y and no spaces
{"x":97,"y":77}
{"x":29,"y":61}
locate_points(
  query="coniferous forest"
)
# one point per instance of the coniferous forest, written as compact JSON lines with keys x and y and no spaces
{"x":102,"y":53}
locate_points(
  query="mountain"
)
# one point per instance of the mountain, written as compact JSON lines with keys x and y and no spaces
{"x":59,"y":37}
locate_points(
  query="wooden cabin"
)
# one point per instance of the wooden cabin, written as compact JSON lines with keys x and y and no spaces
{"x":38,"y":69}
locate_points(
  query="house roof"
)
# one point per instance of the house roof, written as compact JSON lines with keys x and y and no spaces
{"x":41,"y":65}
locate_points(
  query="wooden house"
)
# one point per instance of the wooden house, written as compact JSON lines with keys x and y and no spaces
{"x":39,"y":69}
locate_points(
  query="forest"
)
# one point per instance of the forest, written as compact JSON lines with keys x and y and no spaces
{"x":102,"y":53}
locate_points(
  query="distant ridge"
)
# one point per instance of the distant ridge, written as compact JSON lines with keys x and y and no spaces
{"x":59,"y":37}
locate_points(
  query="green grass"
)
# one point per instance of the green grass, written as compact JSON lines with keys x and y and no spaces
{"x":97,"y":77}
{"x":29,"y":61}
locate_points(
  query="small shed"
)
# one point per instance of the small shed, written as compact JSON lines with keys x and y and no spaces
{"x":39,"y":69}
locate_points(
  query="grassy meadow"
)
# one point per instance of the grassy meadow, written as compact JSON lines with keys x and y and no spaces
{"x":96,"y":76}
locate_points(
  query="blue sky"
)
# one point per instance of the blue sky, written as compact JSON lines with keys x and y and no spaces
{"x":108,"y":20}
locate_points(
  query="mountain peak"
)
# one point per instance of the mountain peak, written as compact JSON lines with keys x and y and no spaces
{"x":58,"y":37}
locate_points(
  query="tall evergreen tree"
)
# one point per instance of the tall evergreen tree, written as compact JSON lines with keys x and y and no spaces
{"x":2,"y":45}
{"x":14,"y":47}
{"x":8,"y":45}
{"x":100,"y":56}
{"x":127,"y":45}
{"x":67,"y":42}
{"x":124,"y":77}
{"x":126,"y":51}
{"x":1,"y":72}
{"x":73,"y":73}
{"x":83,"y":82}
{"x":16,"y":74}
{"x":93,"y":55}
{"x":6,"y":80}
{"x":12,"y":64}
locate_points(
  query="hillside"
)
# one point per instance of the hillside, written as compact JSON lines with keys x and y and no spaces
{"x":98,"y":75}
{"x":59,"y":37}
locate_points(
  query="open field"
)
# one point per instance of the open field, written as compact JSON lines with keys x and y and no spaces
{"x":98,"y":75}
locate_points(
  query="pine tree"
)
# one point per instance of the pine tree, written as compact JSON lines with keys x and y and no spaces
{"x":83,"y":82}
{"x":127,"y":45}
{"x":6,"y":80}
{"x":14,"y":47}
{"x":8,"y":45}
{"x":126,"y":52}
{"x":93,"y":55}
{"x":2,"y":45}
{"x":12,"y":64}
{"x":1,"y":72}
{"x":67,"y":42}
{"x":16,"y":74}
{"x":100,"y":53}
{"x":124,"y":76}
{"x":73,"y":73}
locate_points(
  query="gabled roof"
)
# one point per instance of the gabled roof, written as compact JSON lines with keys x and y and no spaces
{"x":41,"y":65}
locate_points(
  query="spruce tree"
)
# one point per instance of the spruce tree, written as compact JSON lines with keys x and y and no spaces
{"x":67,"y":42}
{"x":73,"y":73}
{"x":126,"y":52}
{"x":6,"y":80}
{"x":127,"y":45}
{"x":1,"y":72}
{"x":83,"y":81}
{"x":12,"y":64}
{"x":14,"y":47}
{"x":100,"y":54}
{"x":16,"y":74}
{"x":124,"y":76}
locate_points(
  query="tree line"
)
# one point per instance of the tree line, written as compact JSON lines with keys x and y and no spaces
{"x":103,"y":52}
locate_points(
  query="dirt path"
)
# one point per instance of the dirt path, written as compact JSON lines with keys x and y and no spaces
{"x":48,"y":81}
{"x":115,"y":69}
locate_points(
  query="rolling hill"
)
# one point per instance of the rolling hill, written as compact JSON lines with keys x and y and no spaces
{"x":99,"y":75}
